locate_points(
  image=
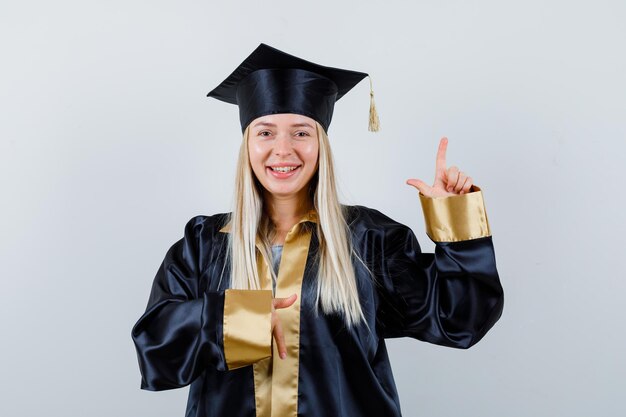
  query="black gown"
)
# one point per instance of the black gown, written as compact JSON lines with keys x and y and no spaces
{"x":191,"y":333}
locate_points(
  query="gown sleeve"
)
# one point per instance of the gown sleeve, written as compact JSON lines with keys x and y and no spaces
{"x":451,"y":297}
{"x":185,"y":329}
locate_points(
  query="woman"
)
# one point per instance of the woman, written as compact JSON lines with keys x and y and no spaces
{"x":282,"y":307}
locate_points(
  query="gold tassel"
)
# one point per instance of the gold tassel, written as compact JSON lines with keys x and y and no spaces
{"x":374,"y":125}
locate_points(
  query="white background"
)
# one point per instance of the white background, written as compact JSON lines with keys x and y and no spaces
{"x":108,"y":145}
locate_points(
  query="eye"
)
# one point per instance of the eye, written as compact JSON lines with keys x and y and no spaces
{"x":302,"y":134}
{"x":263,"y":133}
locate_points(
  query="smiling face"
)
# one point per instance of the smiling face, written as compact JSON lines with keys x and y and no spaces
{"x":283,"y":151}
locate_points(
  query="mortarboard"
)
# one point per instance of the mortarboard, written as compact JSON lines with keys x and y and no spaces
{"x":270,"y":81}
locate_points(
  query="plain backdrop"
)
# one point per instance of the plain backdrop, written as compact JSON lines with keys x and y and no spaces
{"x":108,"y":145}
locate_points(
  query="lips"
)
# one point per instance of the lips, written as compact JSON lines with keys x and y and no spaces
{"x":283,"y":175}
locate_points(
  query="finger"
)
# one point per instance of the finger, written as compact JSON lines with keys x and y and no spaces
{"x":440,"y":164}
{"x":284,"y":302}
{"x":280,"y":339}
{"x":453,"y":177}
{"x":421,"y":186}
{"x":460,"y":182}
{"x":466,"y":186}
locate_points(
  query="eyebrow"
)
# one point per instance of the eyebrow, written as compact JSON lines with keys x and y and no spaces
{"x":293,"y":125}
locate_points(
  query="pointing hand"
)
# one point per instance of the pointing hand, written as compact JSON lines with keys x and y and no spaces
{"x":448,"y":182}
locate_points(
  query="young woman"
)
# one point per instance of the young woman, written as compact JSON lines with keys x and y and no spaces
{"x":282,"y":307}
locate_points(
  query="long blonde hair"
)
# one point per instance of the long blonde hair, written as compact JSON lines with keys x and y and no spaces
{"x":336,"y":280}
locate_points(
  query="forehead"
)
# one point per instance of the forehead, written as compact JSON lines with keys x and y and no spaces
{"x":284,"y":120}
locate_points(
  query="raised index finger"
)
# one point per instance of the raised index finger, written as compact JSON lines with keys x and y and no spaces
{"x":440,"y":164}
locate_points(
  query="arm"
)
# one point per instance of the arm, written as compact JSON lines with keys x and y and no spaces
{"x":184,"y":330}
{"x":454,"y":296}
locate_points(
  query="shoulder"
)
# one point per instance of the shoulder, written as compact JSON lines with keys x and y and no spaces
{"x":373,"y":232}
{"x":362,"y":218}
{"x":205,"y":226}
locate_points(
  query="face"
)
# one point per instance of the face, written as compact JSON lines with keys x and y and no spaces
{"x":283,"y":151}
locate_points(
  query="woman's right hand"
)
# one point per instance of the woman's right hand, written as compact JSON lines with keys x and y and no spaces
{"x":277,"y":329}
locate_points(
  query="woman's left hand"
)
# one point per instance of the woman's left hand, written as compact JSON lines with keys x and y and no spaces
{"x":450,"y":181}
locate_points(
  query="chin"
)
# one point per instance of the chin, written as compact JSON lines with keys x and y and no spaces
{"x":283,"y":193}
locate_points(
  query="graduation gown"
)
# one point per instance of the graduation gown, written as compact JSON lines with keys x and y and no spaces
{"x":195,"y":331}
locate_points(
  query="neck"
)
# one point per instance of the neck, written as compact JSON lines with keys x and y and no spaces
{"x":285,"y":211}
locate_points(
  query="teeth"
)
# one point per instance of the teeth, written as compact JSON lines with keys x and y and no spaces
{"x":283,"y":169}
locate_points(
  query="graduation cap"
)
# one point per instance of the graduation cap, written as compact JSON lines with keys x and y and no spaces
{"x":270,"y":81}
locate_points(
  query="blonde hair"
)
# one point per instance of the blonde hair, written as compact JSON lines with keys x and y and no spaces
{"x":336,"y":281}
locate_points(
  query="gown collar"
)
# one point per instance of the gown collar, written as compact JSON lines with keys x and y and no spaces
{"x":310,"y":216}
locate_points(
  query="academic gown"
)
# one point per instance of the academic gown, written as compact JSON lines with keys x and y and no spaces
{"x":198,"y":332}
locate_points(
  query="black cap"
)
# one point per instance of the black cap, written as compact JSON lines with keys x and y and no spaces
{"x":270,"y":81}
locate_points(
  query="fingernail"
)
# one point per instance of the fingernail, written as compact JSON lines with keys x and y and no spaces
{"x":283,"y":355}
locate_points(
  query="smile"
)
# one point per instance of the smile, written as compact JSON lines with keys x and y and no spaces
{"x":283,"y":172}
{"x":283,"y":169}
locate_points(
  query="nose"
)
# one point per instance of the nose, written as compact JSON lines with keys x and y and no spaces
{"x":282,"y":145}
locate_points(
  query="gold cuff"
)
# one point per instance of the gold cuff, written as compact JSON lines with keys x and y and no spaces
{"x":457,"y":217}
{"x":247,"y":326}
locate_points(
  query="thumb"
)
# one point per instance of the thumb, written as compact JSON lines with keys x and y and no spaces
{"x":285,"y":302}
{"x":420,"y":185}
